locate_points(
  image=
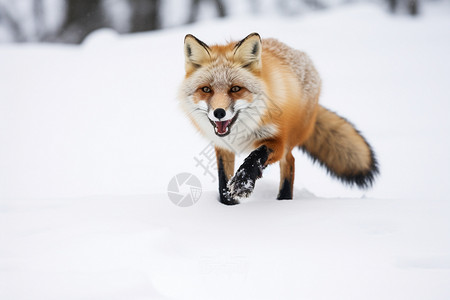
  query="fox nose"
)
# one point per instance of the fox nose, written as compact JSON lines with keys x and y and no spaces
{"x":219,"y":113}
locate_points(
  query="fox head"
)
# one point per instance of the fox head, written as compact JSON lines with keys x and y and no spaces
{"x":221,"y":85}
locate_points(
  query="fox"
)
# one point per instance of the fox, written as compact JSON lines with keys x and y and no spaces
{"x":260,"y":96}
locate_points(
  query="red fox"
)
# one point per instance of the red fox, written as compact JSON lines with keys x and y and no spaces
{"x":262,"y":96}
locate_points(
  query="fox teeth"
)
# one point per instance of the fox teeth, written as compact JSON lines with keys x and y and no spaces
{"x":217,"y":131}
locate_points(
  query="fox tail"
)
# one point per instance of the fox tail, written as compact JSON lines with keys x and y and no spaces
{"x":339,"y":147}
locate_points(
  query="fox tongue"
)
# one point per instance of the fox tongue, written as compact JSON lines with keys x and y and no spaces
{"x":222,"y":126}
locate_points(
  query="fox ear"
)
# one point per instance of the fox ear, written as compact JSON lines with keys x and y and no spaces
{"x":248,"y":51}
{"x":196,"y":52}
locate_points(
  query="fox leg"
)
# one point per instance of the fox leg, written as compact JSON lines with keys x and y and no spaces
{"x":287,"y":172}
{"x":243,"y":182}
{"x":225,"y":167}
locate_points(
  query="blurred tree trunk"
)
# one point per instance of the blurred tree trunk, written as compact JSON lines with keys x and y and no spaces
{"x":82,"y":17}
{"x":12,"y":24}
{"x":392,"y":5}
{"x":39,"y":20}
{"x":413,"y":7}
{"x":195,"y":7}
{"x":316,"y":4}
{"x":145,"y":15}
{"x":255,"y":7}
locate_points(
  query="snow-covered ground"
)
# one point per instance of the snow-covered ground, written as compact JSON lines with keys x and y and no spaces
{"x":91,"y":136}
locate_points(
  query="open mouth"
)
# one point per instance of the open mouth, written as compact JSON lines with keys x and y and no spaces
{"x":222,"y":128}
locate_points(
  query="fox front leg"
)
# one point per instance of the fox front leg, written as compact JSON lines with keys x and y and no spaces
{"x":225,"y":167}
{"x":243,"y":182}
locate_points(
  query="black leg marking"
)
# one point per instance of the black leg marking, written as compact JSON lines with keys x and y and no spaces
{"x":285,"y":191}
{"x":225,"y":198}
{"x":243,"y":182}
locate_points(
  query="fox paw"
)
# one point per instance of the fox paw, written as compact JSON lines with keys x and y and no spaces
{"x":225,"y":198}
{"x":241,"y":185}
{"x":229,"y":201}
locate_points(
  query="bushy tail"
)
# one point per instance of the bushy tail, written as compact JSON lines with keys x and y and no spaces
{"x":340,"y":148}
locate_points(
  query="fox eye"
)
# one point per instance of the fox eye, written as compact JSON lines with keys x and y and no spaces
{"x":206,"y":89}
{"x":235,"y":89}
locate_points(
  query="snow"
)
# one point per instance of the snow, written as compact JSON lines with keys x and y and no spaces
{"x":91,"y":136}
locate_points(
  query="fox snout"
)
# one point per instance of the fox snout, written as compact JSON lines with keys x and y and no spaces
{"x":222,"y":119}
